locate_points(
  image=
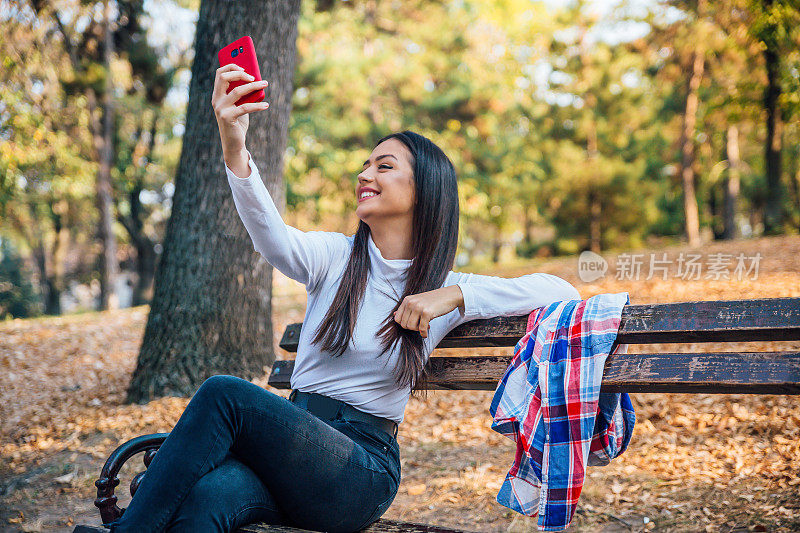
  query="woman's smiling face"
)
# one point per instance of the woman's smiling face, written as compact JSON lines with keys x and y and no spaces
{"x":388,"y":172}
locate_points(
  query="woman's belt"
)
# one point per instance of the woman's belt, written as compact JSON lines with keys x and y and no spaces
{"x":327,"y":407}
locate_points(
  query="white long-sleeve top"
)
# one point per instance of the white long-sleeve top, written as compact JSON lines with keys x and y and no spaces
{"x":317,"y":259}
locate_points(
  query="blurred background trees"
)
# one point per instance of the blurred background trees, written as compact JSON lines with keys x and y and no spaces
{"x":573,"y":126}
{"x":212,"y":305}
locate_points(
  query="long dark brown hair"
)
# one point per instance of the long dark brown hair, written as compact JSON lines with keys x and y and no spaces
{"x":434,"y":241}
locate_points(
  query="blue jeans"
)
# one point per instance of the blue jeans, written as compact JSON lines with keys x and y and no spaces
{"x":240,"y":454}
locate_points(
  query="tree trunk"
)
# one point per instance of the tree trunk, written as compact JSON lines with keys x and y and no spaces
{"x":497,"y":245}
{"x":108,"y":264}
{"x":55,"y":273}
{"x":145,"y":272}
{"x":595,"y":209}
{"x":145,"y":264}
{"x":40,"y":259}
{"x":687,"y":150}
{"x":593,"y":195}
{"x":773,"y":215}
{"x":796,"y":186}
{"x":794,"y":178}
{"x":49,"y":261}
{"x":211,"y":306}
{"x":594,"y":221}
{"x":731,"y":230}
{"x":145,"y":248}
{"x":592,"y":152}
{"x":528,"y":224}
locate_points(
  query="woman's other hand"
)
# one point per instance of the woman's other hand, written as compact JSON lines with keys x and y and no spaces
{"x":417,"y":310}
{"x":233,"y":120}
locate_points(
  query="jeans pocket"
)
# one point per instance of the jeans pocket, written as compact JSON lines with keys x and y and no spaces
{"x":380,"y":440}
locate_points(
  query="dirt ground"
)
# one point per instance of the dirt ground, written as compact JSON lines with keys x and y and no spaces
{"x":695,"y":463}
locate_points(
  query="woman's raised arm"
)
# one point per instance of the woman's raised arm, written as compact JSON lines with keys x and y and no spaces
{"x":304,"y":256}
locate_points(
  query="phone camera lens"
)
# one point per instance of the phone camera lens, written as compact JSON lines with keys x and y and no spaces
{"x":235,"y":53}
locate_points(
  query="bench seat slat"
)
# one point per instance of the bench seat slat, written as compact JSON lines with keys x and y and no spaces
{"x":724,"y":372}
{"x":381,"y":526}
{"x":765,"y":319}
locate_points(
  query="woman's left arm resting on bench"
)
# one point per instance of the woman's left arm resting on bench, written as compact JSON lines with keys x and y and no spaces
{"x":490,"y":296}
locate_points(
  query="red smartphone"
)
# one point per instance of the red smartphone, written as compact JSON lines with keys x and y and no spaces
{"x":243,"y":53}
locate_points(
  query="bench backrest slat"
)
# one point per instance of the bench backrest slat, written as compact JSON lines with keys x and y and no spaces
{"x":726,"y":372}
{"x":766,"y":319}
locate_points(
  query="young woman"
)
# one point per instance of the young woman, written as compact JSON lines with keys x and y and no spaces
{"x":379,"y":301}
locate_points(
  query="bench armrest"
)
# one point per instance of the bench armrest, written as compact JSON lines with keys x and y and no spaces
{"x":106,"y":500}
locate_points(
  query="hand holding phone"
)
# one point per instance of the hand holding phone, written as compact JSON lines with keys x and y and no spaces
{"x":242,"y":53}
{"x":235,"y":95}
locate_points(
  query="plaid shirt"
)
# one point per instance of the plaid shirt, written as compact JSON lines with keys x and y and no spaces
{"x":549,"y":402}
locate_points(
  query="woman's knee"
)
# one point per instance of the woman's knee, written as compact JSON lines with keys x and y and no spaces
{"x":220,"y":384}
{"x":221,"y":381}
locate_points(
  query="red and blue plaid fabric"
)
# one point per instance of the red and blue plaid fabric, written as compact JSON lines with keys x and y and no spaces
{"x":549,"y":402}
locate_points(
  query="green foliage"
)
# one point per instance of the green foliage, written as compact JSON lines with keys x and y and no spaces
{"x":467,"y":78}
{"x":17,"y":297}
{"x":48,"y":154}
{"x":774,"y":22}
{"x":545,"y":114}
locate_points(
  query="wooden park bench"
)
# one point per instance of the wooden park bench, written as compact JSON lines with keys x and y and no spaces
{"x":769,"y":319}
